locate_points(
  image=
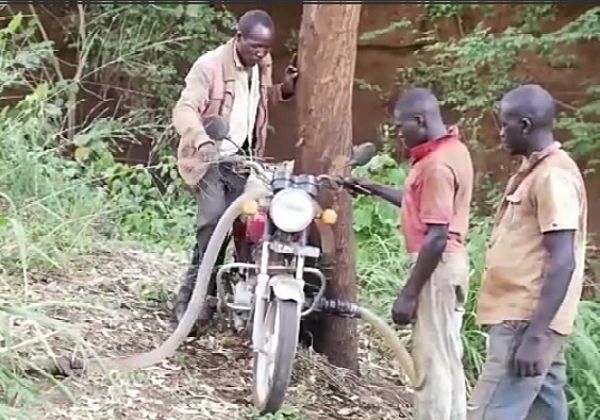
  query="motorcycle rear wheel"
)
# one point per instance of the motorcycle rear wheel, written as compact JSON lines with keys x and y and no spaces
{"x":273,"y":369}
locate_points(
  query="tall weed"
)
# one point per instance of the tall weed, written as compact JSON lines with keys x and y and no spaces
{"x":48,"y":210}
{"x":61,"y":194}
{"x":46,"y":213}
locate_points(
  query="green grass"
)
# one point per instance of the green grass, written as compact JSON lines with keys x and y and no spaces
{"x":583,"y":365}
{"x":285,"y":413}
{"x":54,"y":209}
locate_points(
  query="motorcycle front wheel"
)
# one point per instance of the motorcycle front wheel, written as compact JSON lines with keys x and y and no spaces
{"x":273,"y":366}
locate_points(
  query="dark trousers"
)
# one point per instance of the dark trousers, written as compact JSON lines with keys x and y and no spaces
{"x":220,"y":187}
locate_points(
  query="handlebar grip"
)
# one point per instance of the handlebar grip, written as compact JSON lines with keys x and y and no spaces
{"x":355,"y":188}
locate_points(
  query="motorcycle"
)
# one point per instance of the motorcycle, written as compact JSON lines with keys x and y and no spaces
{"x":269,"y":287}
{"x":275,"y":281}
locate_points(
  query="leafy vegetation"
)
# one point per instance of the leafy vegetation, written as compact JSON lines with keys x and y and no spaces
{"x":470,"y":73}
{"x":62,"y":189}
{"x":65,"y":187}
{"x":286,"y":413}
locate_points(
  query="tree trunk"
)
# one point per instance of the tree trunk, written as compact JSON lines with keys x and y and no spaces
{"x":326,"y":61}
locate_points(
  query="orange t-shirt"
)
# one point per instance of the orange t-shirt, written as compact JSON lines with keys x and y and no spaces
{"x":438,"y":190}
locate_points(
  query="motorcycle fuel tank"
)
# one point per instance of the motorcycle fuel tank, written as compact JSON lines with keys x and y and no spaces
{"x":255,"y":227}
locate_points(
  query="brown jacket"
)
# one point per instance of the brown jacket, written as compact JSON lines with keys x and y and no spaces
{"x":209,"y":91}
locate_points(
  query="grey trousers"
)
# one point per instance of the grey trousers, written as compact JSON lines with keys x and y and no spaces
{"x":220,"y":187}
{"x":501,"y":394}
{"x":437,"y":345}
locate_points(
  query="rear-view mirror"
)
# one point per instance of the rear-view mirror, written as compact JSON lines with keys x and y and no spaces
{"x":217,"y":128}
{"x":363,"y":153}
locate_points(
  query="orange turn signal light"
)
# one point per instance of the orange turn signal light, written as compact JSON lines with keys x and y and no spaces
{"x":250,"y":208}
{"x":329,"y":216}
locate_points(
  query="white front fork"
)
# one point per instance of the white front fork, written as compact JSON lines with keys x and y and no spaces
{"x":260,"y":301}
{"x":284,"y":287}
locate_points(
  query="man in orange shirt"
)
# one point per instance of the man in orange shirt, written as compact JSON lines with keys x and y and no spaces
{"x":435,"y":206}
{"x":534,"y":269}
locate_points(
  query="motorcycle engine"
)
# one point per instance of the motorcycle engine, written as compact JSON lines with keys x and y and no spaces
{"x":242,"y":304}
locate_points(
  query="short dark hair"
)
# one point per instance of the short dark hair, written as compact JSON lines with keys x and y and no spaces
{"x":254,"y":18}
{"x":418,"y":101}
{"x":534,"y":102}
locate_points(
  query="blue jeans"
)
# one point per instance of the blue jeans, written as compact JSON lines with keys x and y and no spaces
{"x":502,"y":395}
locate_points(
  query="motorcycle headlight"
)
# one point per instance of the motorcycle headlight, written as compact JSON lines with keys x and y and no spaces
{"x":292,"y":210}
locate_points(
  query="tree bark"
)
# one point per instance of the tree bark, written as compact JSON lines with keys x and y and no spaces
{"x":326,"y":61}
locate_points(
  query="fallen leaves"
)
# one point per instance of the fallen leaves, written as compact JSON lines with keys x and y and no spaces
{"x":210,"y":377}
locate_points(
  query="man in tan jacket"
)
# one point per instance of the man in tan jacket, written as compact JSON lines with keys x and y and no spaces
{"x":232,"y":81}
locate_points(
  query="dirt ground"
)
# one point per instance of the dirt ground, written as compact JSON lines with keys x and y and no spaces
{"x":118,"y":302}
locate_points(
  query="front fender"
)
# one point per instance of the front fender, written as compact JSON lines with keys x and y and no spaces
{"x":286,"y":287}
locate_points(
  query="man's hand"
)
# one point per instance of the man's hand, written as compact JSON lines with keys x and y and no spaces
{"x":405,"y":306}
{"x":208,"y":152}
{"x":290,"y":77}
{"x":404,"y":309}
{"x":357,"y":186}
{"x":362,"y":186}
{"x":529,"y":356}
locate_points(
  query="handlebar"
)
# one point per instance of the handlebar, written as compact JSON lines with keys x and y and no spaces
{"x":338,"y":182}
{"x":324,"y":180}
{"x":331,"y":181}
{"x":247,"y":163}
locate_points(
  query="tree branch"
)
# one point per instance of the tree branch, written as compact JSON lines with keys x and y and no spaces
{"x":40,"y":26}
{"x":74,"y":87}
